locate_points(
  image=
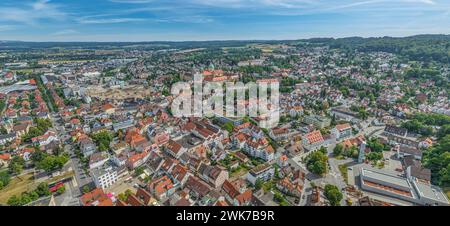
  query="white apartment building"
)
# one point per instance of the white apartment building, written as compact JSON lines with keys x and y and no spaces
{"x":105,"y":176}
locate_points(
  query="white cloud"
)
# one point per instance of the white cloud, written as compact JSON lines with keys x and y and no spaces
{"x":65,"y":32}
{"x":33,"y":13}
{"x":255,"y":3}
{"x":385,"y":3}
{"x":109,"y":20}
{"x":7,"y":27}
{"x":132,"y":1}
{"x":188,"y":19}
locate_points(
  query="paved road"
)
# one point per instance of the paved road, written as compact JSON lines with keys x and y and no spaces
{"x":81,"y":178}
{"x":69,"y":197}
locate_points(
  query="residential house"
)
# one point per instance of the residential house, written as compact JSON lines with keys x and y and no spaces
{"x":263,"y":172}
{"x":87,"y":146}
{"x":96,"y":197}
{"x":214,"y":175}
{"x":236,"y":196}
{"x":161,"y":187}
{"x":175,"y":149}
{"x":342,"y":131}
{"x":279,"y":134}
{"x":137,"y":159}
{"x":7,"y":138}
{"x":98,"y":159}
{"x":45,"y":139}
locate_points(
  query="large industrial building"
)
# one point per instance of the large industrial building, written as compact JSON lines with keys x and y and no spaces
{"x":408,"y":189}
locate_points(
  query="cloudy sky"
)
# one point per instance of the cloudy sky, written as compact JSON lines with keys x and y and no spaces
{"x":175,"y":20}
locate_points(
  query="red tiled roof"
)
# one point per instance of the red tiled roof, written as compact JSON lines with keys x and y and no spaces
{"x":314,"y":137}
{"x":5,"y":156}
{"x":221,"y":203}
{"x":96,"y":198}
{"x":341,"y":127}
{"x":173,"y":146}
{"x":244,"y":197}
{"x":134,"y":201}
{"x":230,"y":189}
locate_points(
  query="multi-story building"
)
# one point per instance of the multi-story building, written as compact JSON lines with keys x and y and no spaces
{"x":105,"y":176}
{"x":313,"y":140}
{"x":317,"y":120}
{"x":214,"y":175}
{"x":263,"y":172}
{"x":410,"y":189}
{"x":342,"y":131}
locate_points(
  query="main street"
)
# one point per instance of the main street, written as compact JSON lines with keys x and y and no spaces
{"x":81,"y":179}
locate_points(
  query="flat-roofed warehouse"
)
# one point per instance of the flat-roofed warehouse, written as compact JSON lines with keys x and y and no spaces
{"x":411,"y":190}
{"x":388,"y":184}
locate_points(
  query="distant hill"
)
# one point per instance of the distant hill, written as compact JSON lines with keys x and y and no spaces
{"x":418,"y":48}
{"x":425,"y":47}
{"x":16,"y":45}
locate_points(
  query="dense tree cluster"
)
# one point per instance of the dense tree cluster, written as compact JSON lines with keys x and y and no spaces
{"x":437,"y":159}
{"x":422,"y":123}
{"x":103,"y":139}
{"x":333,"y":194}
{"x":48,"y":162}
{"x":316,"y":162}
{"x":5,"y":178}
{"x":16,"y":165}
{"x":41,"y":191}
{"x":42,"y":125}
{"x":416,"y":48}
{"x":340,"y":150}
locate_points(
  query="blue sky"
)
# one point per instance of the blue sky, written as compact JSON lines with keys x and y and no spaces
{"x":176,"y":20}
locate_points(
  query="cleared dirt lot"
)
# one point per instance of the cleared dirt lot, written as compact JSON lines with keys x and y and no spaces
{"x":118,"y":93}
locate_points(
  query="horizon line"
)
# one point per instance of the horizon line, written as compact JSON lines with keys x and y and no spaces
{"x":230,"y":40}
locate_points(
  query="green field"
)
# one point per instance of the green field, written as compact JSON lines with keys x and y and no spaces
{"x":17,"y":186}
{"x":26,"y":183}
{"x":343,"y":169}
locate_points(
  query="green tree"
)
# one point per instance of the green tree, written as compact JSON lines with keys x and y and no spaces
{"x":138,"y":171}
{"x":437,"y":159}
{"x":14,"y":201}
{"x":443,"y":131}
{"x":5,"y":178}
{"x":363,"y":114}
{"x":316,"y":162}
{"x":375,"y":145}
{"x":32,"y":132}
{"x":42,"y":190}
{"x":3,"y":131}
{"x":333,"y":194}
{"x":228,"y":127}
{"x":375,"y":156}
{"x":277,"y":172}
{"x":318,"y":167}
{"x":333,"y":120}
{"x":103,"y":139}
{"x":323,"y":150}
{"x":86,"y":189}
{"x":258,"y":184}
{"x":16,"y":165}
{"x":51,"y":162}
{"x":43,"y":124}
{"x":338,"y":150}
